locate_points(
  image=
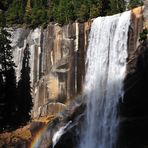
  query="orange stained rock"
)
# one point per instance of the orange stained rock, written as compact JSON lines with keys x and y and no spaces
{"x":38,"y":134}
{"x":13,"y":137}
{"x":37,"y":137}
{"x":52,"y":85}
{"x":138,"y":11}
{"x":45,"y":119}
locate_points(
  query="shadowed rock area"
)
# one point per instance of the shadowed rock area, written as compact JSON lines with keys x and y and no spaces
{"x":133,"y":109}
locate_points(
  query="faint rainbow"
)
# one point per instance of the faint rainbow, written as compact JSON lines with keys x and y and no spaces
{"x":37,"y":137}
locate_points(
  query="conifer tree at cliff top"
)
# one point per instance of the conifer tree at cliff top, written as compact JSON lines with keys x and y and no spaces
{"x":24,"y":89}
{"x":8,"y":103}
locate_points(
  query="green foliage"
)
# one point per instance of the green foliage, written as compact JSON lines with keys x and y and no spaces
{"x":62,"y":11}
{"x":4,"y":4}
{"x":143,"y":35}
{"x":6,"y":57}
{"x":38,"y":17}
{"x":83,"y":13}
{"x":66,"y":11}
{"x":116,"y":6}
{"x":8,"y":101}
{"x":15,"y":12}
{"x":134,"y":3}
{"x":40,"y":12}
{"x":2,"y":19}
{"x":95,"y":10}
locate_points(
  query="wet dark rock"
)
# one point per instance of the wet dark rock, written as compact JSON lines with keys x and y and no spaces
{"x":134,"y":108}
{"x":71,"y":137}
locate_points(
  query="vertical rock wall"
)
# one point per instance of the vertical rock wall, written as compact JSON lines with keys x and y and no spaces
{"x":135,"y":28}
{"x":145,"y":14}
{"x":57,"y":62}
{"x":134,"y":31}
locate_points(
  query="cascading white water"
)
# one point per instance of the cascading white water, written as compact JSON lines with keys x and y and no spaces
{"x":59,"y":133}
{"x":106,"y":64}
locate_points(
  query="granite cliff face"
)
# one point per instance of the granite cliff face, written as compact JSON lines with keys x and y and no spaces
{"x":57,"y":60}
{"x":57,"y":63}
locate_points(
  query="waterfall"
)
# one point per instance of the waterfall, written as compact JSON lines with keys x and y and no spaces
{"x":59,"y":133}
{"x":106,"y":64}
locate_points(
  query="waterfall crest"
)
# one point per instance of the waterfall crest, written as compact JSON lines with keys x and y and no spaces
{"x":106,"y":64}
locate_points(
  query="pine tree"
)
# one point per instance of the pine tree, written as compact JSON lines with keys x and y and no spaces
{"x":11,"y":98}
{"x":2,"y":103}
{"x":7,"y":79}
{"x":28,"y":11}
{"x":6,"y":55}
{"x":24,"y":89}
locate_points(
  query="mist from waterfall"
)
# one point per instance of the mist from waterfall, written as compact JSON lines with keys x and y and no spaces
{"x":106,"y":65}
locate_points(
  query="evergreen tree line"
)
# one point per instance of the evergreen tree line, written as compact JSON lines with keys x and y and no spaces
{"x":40,"y":12}
{"x":15,"y":98}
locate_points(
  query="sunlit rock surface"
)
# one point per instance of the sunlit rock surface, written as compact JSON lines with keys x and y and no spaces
{"x":135,"y":28}
{"x":145,"y":14}
{"x":56,"y":60}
